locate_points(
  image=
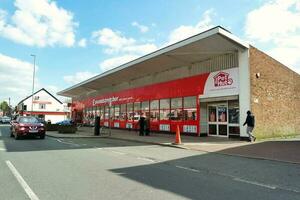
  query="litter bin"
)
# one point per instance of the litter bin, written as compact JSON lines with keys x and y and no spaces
{"x":97,"y":126}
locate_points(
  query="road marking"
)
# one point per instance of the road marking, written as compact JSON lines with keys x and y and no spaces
{"x":117,"y":152}
{"x":22,"y":182}
{"x":69,"y":143}
{"x":2,"y":149}
{"x":187,"y":168}
{"x":146,"y":159}
{"x":255,"y":183}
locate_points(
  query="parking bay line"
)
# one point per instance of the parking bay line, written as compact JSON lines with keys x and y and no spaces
{"x":22,"y":182}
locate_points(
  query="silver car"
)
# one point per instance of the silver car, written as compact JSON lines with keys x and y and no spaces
{"x":5,"y":120}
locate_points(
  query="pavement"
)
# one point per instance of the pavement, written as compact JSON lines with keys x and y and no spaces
{"x":106,"y":168}
{"x":276,"y":149}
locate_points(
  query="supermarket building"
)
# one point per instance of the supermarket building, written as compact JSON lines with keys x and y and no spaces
{"x":204,"y":84}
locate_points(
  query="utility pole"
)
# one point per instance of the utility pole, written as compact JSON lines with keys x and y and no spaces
{"x":33,"y":82}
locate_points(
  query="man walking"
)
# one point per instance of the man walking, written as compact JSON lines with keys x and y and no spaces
{"x":250,"y":121}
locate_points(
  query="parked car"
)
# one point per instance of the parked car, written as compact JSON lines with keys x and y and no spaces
{"x":5,"y":120}
{"x":27,"y":126}
{"x":65,"y":122}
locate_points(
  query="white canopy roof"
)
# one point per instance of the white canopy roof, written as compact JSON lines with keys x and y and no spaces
{"x":215,"y":41}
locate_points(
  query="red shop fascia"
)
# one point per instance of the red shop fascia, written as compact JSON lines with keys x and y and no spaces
{"x":180,"y":88}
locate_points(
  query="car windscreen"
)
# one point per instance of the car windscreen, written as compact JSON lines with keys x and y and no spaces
{"x":28,"y":120}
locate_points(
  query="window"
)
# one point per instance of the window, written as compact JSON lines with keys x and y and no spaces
{"x":24,"y":107}
{"x":176,"y":109}
{"x":123,"y":112}
{"x":42,"y":106}
{"x":130,"y":113}
{"x":154,"y":110}
{"x":164,"y":111}
{"x":190,"y":108}
{"x":145,"y":108}
{"x":233,"y":112}
{"x":112,"y":112}
{"x":137,"y":110}
{"x":101,"y":113}
{"x":117,"y":112}
{"x":106,"y":112}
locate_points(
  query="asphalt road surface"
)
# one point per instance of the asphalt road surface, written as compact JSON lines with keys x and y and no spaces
{"x":59,"y":169}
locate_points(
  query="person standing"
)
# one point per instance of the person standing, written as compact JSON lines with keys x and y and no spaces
{"x":147,"y":126}
{"x":250,"y":121}
{"x":142,"y":125}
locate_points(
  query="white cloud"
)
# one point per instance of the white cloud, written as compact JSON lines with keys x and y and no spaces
{"x":38,"y":23}
{"x":183,"y":32}
{"x":82,"y":42}
{"x":277,"y":24}
{"x":78,"y":77}
{"x":121,"y":48}
{"x":141,"y":27}
{"x":116,"y":61}
{"x":112,"y":39}
{"x":15,"y":78}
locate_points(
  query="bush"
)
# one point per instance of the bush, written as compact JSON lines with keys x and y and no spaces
{"x":67,"y":129}
{"x":52,"y":127}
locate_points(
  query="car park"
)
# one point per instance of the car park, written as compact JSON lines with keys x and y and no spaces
{"x":27,"y":126}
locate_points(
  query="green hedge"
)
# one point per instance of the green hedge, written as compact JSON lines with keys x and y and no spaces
{"x":52,"y":127}
{"x":67,"y":129}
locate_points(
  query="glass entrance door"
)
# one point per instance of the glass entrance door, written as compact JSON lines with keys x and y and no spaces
{"x":218,"y":119}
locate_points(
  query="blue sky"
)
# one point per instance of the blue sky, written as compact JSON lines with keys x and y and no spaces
{"x":74,"y":40}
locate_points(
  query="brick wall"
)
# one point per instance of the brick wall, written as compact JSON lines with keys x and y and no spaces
{"x":275,"y":96}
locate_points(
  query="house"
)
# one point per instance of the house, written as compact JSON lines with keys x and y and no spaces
{"x":44,"y":105}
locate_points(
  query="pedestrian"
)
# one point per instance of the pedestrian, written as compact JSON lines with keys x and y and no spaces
{"x":142,"y":125}
{"x":250,"y":121}
{"x":147,"y":126}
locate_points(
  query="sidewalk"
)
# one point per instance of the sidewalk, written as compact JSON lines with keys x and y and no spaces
{"x":279,"y":150}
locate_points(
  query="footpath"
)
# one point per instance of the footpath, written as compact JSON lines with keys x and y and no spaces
{"x":285,"y":150}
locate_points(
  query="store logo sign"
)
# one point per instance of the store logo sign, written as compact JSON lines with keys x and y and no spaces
{"x":106,"y":100}
{"x":222,"y":79}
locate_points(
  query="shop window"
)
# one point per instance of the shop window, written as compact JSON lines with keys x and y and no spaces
{"x":106,"y":112}
{"x":137,"y":110}
{"x":176,"y":109}
{"x":117,"y":112}
{"x":101,"y":113}
{"x":234,"y":130}
{"x":164,"y":112}
{"x":233,"y":112}
{"x":145,"y":108}
{"x":130,"y":112}
{"x":98,"y":112}
{"x":190,"y":108}
{"x":212,"y":113}
{"x":222,"y":113}
{"x":154,"y":110}
{"x":112,"y":112}
{"x":123,"y":112}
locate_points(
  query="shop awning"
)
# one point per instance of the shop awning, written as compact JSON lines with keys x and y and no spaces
{"x":213,"y":42}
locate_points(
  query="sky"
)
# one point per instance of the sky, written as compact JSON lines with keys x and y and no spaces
{"x":75,"y":40}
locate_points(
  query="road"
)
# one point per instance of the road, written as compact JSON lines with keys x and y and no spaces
{"x":98,"y":168}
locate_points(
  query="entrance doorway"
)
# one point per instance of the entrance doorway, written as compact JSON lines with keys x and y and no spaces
{"x":218,"y":119}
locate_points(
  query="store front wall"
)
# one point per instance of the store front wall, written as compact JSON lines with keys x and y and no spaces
{"x":168,"y":105}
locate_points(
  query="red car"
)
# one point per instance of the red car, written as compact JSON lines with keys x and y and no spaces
{"x":27,"y":126}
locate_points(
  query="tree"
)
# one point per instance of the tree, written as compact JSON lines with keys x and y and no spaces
{"x":4,"y":107}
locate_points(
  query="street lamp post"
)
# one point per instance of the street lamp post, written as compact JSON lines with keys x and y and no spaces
{"x":34,"y":56}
